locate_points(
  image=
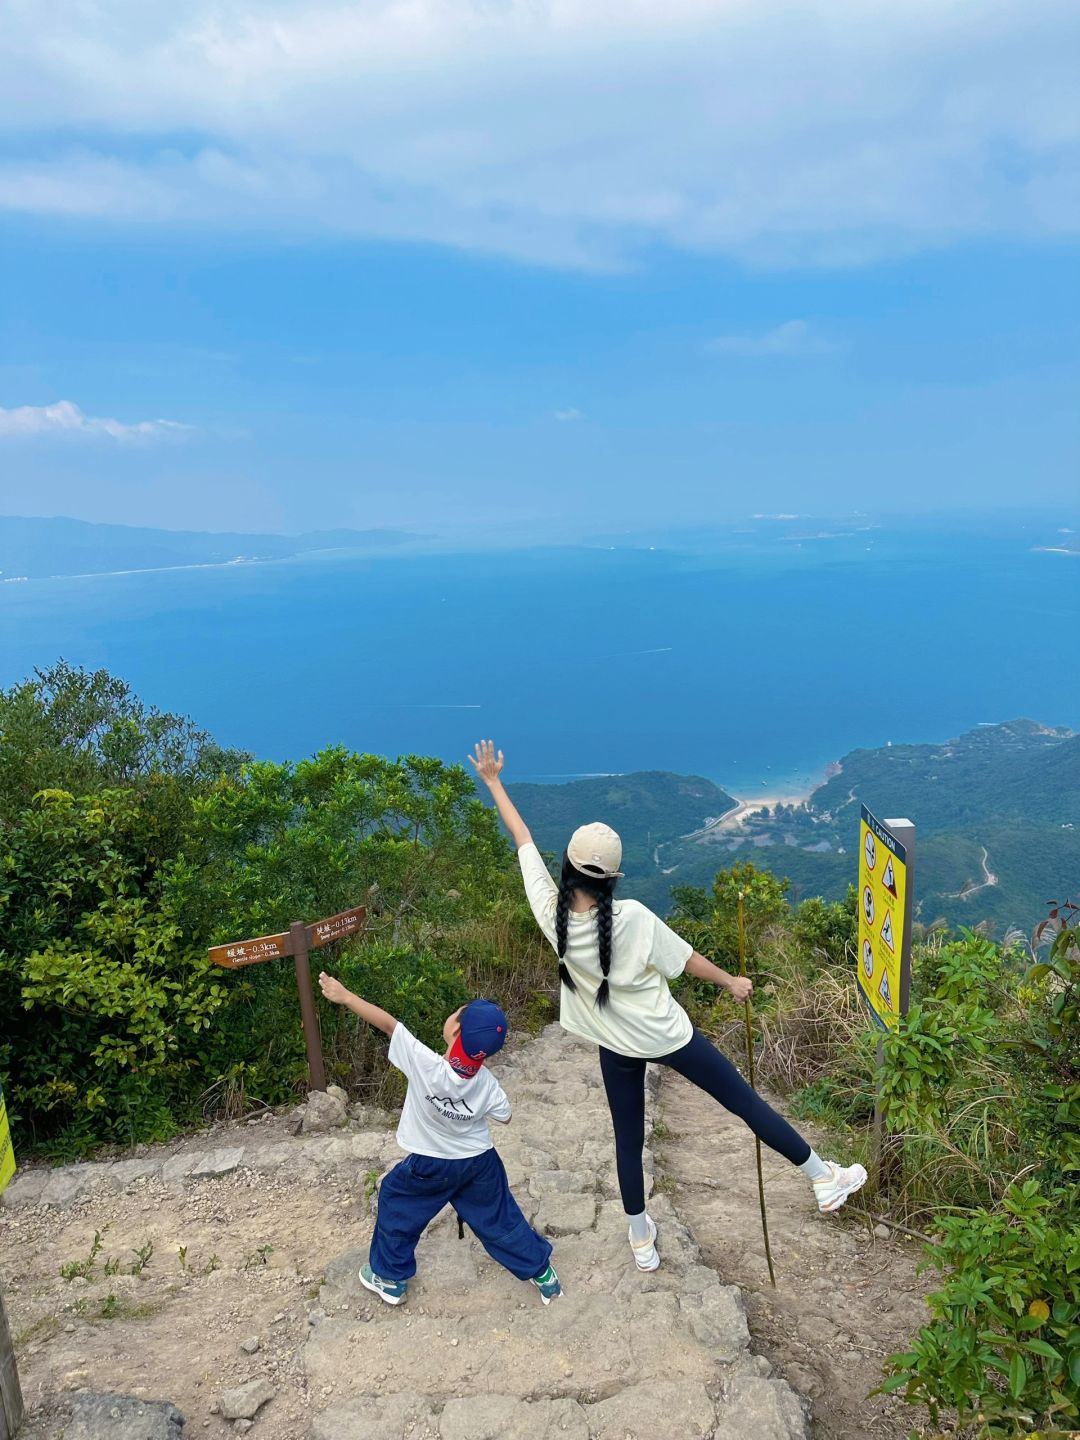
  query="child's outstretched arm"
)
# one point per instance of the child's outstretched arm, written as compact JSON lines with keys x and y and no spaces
{"x":488,"y":764}
{"x":337,"y":994}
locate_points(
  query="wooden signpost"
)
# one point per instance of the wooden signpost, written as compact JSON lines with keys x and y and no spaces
{"x":11,"y":1400}
{"x":297,"y":941}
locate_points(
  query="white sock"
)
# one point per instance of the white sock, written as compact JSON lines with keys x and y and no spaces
{"x":639,"y":1226}
{"x":814,"y":1168}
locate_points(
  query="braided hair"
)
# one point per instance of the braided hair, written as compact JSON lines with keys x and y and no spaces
{"x":602,"y":890}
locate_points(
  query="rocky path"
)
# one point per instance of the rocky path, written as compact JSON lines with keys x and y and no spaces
{"x":846,"y":1296}
{"x":248,"y":1315}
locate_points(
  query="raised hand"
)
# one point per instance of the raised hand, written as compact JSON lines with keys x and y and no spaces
{"x":333,"y":990}
{"x":487,"y":762}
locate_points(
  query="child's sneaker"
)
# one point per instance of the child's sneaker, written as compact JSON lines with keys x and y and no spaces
{"x":392,"y":1291}
{"x":842,"y":1182}
{"x":548,"y":1284}
{"x":646,"y":1256}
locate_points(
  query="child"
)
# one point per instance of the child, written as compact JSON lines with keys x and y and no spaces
{"x":451,"y":1160}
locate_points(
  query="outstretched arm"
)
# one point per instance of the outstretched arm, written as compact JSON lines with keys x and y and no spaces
{"x":488,"y":765}
{"x":337,"y":994}
{"x":738,"y":986}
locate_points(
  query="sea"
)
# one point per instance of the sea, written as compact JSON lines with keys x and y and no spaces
{"x":754,"y":654}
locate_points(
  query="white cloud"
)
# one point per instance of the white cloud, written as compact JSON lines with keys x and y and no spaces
{"x":64,"y":418}
{"x":569,"y":132}
{"x":568,"y":415}
{"x":794,"y":337}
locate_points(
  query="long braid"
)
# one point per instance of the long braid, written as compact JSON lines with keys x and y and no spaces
{"x":601,"y":891}
{"x":562,"y":920}
{"x":603,"y":940}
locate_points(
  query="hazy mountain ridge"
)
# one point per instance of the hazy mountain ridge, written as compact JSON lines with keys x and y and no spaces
{"x":34,"y":547}
{"x":997,"y":812}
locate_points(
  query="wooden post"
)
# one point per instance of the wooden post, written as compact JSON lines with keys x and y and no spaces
{"x":298,"y":937}
{"x":297,"y":941}
{"x":11,"y":1400}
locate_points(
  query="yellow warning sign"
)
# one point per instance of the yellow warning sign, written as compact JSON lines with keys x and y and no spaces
{"x":7,"y":1154}
{"x":882,"y":884}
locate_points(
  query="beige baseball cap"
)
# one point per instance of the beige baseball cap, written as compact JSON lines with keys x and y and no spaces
{"x":595,"y":850}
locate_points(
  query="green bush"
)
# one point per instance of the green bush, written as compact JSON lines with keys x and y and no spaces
{"x":1002,"y":1348}
{"x":415,"y":986}
{"x":130,"y":843}
{"x":827,"y":930}
{"x":96,"y":967}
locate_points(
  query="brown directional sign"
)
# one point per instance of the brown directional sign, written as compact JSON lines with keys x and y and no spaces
{"x":252,"y":952}
{"x":336,"y":927}
{"x":296,"y":941}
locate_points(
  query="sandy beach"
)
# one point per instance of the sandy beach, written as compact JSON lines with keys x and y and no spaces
{"x":780,"y":794}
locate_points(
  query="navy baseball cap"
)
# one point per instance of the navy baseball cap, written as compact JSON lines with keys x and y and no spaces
{"x":484,"y":1029}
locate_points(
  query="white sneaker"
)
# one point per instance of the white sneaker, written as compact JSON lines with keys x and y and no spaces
{"x":646,"y":1256}
{"x":832,"y":1191}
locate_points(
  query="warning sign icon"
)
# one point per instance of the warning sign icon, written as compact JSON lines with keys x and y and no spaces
{"x":887,"y":931}
{"x":868,"y":904}
{"x":871,"y":851}
{"x":868,"y":959}
{"x":884,"y":991}
{"x":889,"y":879}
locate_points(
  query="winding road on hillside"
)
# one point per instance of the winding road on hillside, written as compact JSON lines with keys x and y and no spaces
{"x":989,"y":878}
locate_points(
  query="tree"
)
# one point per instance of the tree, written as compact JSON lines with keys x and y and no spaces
{"x":710,"y":922}
{"x":298,"y":841}
{"x":104,"y":1001}
{"x":80,"y":731}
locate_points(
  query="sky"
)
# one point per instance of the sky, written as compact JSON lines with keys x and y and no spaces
{"x":491,"y":265}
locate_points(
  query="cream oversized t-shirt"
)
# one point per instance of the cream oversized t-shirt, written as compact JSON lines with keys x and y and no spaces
{"x":641,"y":1018}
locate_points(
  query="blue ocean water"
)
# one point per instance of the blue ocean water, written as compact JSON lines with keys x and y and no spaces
{"x":752,"y":656}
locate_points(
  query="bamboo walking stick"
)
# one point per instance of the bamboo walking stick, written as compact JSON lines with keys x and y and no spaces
{"x":747,"y":1015}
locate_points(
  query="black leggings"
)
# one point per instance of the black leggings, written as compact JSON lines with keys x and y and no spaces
{"x":703,"y":1065}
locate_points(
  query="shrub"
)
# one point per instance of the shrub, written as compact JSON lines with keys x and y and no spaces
{"x":94,"y":962}
{"x":1002,"y":1347}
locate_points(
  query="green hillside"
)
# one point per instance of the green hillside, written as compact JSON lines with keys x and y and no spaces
{"x":1000,"y":801}
{"x":648,"y":808}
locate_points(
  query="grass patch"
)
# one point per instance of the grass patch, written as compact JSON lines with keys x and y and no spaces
{"x":39,"y":1331}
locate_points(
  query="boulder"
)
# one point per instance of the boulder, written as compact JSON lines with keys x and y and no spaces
{"x":322,"y":1112}
{"x":244,"y":1402}
{"x":123,"y":1417}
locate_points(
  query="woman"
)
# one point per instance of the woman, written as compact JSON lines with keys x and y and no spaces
{"x":615,"y":961}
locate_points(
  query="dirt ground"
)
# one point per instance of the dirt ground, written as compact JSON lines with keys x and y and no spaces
{"x":231,"y":1290}
{"x":843,"y":1300}
{"x":234,"y":1259}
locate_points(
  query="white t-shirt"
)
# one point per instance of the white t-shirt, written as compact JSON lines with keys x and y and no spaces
{"x":641,"y":1017}
{"x":444,"y":1114}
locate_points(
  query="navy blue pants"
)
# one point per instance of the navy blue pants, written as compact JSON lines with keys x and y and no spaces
{"x":702,"y":1064}
{"x":416,"y":1190}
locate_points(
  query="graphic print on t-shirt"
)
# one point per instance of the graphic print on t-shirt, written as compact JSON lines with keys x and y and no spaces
{"x":437,"y":1119}
{"x":449,"y":1108}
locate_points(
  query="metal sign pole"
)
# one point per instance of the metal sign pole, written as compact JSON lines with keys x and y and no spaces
{"x":904,"y":831}
{"x":298,"y":937}
{"x":876,"y":877}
